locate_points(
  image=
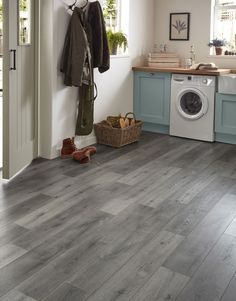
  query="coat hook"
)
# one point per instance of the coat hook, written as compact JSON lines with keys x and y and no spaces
{"x":71,"y":7}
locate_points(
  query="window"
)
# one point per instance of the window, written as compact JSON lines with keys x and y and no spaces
{"x":116,"y":20}
{"x":225,"y":22}
{"x":111,"y":9}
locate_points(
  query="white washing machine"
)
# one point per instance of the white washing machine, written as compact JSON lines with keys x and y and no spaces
{"x":192,"y":106}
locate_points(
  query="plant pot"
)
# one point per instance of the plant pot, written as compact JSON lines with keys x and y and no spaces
{"x":218,"y":50}
{"x":114,"y":49}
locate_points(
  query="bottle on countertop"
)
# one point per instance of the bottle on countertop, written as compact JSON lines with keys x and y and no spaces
{"x":161,"y":48}
{"x":155,"y":50}
{"x":192,"y":54}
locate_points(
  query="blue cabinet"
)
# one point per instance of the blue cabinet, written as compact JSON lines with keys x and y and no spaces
{"x":152,"y":100}
{"x":225,"y":118}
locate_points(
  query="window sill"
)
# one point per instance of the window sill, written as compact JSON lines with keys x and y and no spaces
{"x":119,"y":56}
{"x":222,"y":56}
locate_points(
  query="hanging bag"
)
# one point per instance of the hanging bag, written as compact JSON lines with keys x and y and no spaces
{"x":84,"y":124}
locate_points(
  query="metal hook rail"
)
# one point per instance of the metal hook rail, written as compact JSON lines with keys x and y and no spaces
{"x":72,"y":6}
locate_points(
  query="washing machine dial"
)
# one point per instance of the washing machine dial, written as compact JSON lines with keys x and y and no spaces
{"x":205,"y":81}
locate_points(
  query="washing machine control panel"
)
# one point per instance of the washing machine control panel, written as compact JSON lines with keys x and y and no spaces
{"x":193,"y":80}
{"x":199,"y":80}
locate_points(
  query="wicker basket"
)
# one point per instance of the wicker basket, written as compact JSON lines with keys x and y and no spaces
{"x":118,"y":137}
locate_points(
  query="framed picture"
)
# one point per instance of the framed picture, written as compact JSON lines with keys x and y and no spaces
{"x":179,"y":26}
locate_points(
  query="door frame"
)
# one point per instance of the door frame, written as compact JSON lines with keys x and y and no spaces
{"x":6,"y":68}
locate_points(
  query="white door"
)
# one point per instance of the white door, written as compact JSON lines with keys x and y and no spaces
{"x":19,"y":92}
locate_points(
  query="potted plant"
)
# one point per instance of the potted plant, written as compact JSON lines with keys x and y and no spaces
{"x":116,"y":39}
{"x":218,"y":44}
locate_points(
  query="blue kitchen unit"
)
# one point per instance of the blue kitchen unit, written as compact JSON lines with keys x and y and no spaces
{"x":225,"y":118}
{"x":152,"y":100}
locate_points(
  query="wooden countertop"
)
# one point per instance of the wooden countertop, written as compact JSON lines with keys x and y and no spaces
{"x":182,"y":70}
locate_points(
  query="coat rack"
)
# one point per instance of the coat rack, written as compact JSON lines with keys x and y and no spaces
{"x":72,"y":6}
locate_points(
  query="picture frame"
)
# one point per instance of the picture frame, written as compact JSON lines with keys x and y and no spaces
{"x":179,"y":26}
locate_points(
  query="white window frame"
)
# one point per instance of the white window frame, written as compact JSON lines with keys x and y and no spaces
{"x":217,"y":7}
{"x":122,"y":21}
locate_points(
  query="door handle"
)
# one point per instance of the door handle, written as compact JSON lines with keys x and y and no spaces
{"x":179,"y":79}
{"x":13,"y":51}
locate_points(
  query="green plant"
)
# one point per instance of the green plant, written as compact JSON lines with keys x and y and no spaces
{"x":1,"y":11}
{"x":217,"y":43}
{"x":116,"y":39}
{"x":23,"y":5}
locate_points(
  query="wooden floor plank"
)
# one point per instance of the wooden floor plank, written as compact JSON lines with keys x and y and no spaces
{"x":137,"y":271}
{"x":189,"y":255}
{"x":16,"y":296}
{"x":11,"y":232}
{"x":66,"y":292}
{"x":165,"y":188}
{"x":42,"y":283}
{"x":7,"y":201}
{"x":192,"y":214}
{"x":215,"y":273}
{"x":19,"y":270}
{"x":163,"y":285}
{"x":230,"y":292}
{"x":26,"y":207}
{"x":117,"y":205}
{"x":231,"y":230}
{"x":74,"y":219}
{"x":9,"y":253}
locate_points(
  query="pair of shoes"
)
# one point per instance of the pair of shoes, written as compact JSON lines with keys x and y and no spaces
{"x":68,"y":147}
{"x":69,"y":150}
{"x":83,"y":155}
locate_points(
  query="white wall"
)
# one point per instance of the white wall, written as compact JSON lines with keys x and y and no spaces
{"x":45,"y":78}
{"x":199,"y":29}
{"x":115,"y":87}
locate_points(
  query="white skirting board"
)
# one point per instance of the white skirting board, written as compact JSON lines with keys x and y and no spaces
{"x":83,"y":141}
{"x":80,"y":141}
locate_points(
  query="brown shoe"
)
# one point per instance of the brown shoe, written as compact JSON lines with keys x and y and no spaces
{"x":68,"y":148}
{"x":91,"y":149}
{"x":82,"y":156}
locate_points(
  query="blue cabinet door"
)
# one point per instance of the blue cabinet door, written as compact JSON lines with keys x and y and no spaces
{"x":152,"y":97}
{"x":225,"y":118}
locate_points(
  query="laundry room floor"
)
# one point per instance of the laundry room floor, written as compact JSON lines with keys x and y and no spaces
{"x":155,"y":220}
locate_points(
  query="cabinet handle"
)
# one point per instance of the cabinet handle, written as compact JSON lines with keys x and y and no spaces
{"x":151,"y":73}
{"x":14,"y":59}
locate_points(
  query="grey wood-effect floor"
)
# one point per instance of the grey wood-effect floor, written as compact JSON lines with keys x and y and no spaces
{"x":155,"y":220}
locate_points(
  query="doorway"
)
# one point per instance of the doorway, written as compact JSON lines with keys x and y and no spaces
{"x":20,"y":136}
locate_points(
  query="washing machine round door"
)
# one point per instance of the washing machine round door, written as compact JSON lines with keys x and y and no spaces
{"x":191,"y":103}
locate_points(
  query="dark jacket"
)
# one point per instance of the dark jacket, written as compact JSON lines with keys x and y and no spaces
{"x":96,"y":32}
{"x":85,"y":45}
{"x":76,"y":50}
